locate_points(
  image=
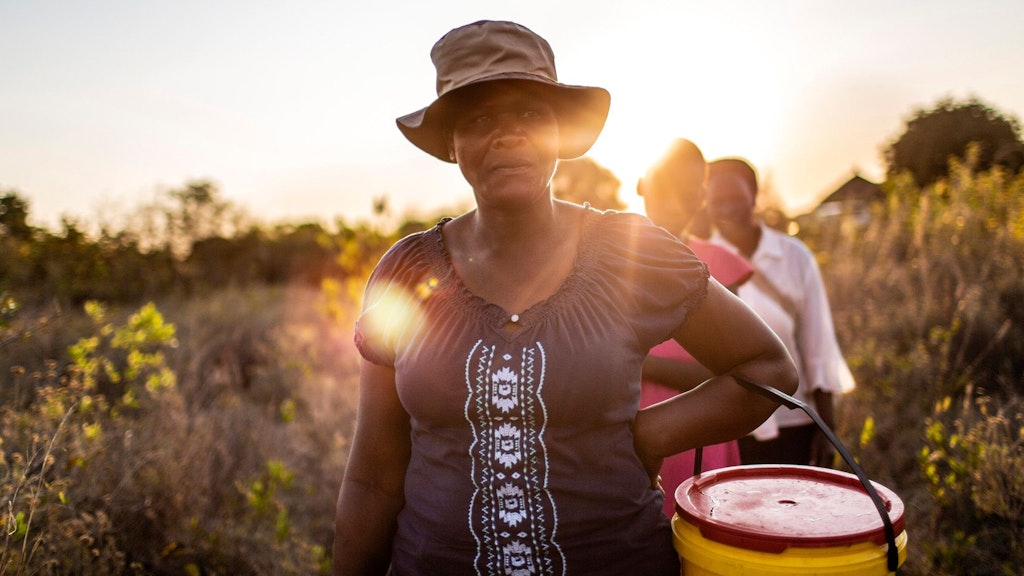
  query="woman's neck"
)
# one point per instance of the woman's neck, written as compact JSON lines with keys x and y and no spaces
{"x":515,"y":262}
{"x":515,"y":232}
{"x":745,"y":237}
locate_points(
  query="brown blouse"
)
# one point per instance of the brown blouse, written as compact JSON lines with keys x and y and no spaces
{"x":522,"y":451}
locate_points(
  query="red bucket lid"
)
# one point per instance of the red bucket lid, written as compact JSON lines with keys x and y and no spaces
{"x":770,"y":508}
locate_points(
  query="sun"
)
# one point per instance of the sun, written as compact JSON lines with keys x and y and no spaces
{"x":629,"y":149}
{"x":722,"y":93}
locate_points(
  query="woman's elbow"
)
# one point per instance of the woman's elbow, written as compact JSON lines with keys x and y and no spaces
{"x":786,"y":379}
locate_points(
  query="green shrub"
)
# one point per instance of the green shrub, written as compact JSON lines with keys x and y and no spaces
{"x":928,"y":302}
{"x":973,"y":463}
{"x":115,"y":461}
{"x":208,"y":434}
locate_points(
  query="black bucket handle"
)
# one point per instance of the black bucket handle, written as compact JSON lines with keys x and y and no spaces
{"x":892,"y":554}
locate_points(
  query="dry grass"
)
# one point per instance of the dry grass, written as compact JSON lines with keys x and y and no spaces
{"x":235,"y":468}
{"x":928,"y":301}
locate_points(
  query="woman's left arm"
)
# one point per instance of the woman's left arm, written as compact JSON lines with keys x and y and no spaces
{"x":681,"y":376}
{"x":729,"y":338}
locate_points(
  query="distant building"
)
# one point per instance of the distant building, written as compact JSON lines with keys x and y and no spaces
{"x":853,"y":197}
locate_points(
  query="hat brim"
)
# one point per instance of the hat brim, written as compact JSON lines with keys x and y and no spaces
{"x":581,"y":112}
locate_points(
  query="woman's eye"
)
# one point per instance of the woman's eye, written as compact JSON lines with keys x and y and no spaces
{"x":530,"y":115}
{"x":474,"y":122}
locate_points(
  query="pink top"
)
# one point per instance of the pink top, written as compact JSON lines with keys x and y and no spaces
{"x":729,"y":269}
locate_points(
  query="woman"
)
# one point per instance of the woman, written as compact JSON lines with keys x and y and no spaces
{"x":498,"y":430}
{"x":786,"y":290}
{"x":673,"y":192}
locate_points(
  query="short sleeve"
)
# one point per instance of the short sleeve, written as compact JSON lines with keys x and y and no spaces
{"x":657,"y":279}
{"x":390,"y":303}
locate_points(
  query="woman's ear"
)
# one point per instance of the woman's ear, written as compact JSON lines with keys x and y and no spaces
{"x":640,"y":186}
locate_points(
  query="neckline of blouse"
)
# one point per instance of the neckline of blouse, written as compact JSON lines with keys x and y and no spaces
{"x":496,"y":316}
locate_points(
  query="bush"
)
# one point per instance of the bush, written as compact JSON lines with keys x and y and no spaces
{"x":229,"y":461}
{"x":927,"y":302}
{"x":973,"y":463}
{"x":141,"y":451}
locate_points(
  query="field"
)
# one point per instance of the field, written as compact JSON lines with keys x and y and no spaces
{"x":205,"y":430}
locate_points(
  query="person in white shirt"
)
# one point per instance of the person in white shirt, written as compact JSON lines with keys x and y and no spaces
{"x":786,"y":290}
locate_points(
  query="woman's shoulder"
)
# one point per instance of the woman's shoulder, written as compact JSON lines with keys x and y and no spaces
{"x":415,"y":250}
{"x":643,"y":271}
{"x":615,"y":216}
{"x":616,"y":240}
{"x":616,"y":226}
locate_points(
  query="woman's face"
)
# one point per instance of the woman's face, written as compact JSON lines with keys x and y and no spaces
{"x":665,"y":210}
{"x":505,"y":139}
{"x":674,"y":194}
{"x":730,"y":201}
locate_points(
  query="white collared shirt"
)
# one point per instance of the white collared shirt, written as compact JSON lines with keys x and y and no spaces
{"x":790,"y":267}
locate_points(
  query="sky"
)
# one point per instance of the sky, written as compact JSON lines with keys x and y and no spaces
{"x":289,"y":107}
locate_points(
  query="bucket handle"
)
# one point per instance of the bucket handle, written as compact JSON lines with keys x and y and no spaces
{"x":892,"y":554}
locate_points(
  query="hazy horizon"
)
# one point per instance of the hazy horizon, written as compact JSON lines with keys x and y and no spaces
{"x":290,"y":109}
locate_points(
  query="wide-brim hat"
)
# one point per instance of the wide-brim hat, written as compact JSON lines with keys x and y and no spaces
{"x":489,"y":51}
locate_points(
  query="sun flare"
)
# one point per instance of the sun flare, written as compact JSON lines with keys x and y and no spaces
{"x":691,"y":84}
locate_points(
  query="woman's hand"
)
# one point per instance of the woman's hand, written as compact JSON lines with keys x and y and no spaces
{"x":652,"y":464}
{"x":726,"y":336}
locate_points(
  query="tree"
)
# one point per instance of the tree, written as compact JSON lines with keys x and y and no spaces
{"x":1011,"y":157}
{"x":14,"y":216}
{"x":584,"y":180}
{"x":200,"y":212}
{"x":181,"y":217}
{"x":933,"y":137}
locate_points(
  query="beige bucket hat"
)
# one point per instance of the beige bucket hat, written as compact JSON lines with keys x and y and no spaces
{"x":487,"y":51}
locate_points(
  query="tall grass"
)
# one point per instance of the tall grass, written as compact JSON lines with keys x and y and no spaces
{"x":208,"y":439}
{"x":928,"y":299}
{"x":208,"y":435}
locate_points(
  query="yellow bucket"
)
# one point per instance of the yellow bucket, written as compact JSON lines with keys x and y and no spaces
{"x":782,"y":521}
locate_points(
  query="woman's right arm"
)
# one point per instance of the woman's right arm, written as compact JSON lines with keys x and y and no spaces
{"x":372,"y":491}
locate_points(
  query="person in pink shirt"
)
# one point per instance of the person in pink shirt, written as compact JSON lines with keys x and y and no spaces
{"x":673,"y":190}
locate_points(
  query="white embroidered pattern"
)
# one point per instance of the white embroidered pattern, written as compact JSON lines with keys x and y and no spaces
{"x":512,"y":515}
